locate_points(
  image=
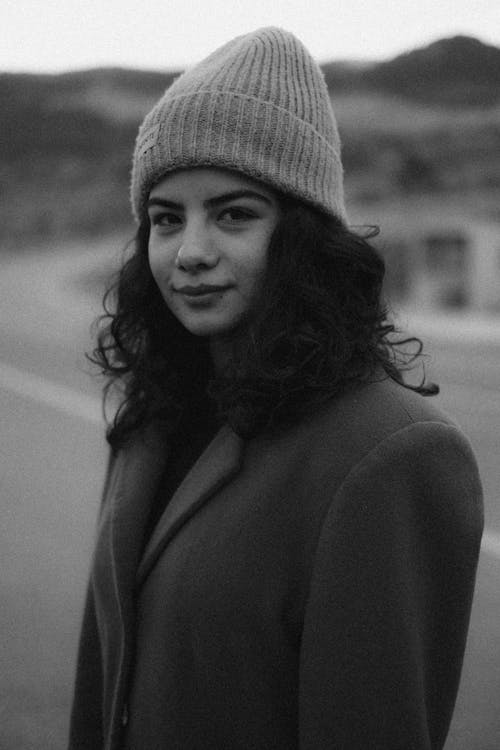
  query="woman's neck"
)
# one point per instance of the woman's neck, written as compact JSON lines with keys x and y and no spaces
{"x":221,"y":352}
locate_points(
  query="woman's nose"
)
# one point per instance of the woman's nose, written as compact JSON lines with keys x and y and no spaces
{"x":196,"y":251}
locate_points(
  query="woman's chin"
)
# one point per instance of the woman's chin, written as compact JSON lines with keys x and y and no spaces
{"x":211,"y":329}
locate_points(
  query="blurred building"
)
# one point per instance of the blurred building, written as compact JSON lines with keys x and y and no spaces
{"x":439,"y":259}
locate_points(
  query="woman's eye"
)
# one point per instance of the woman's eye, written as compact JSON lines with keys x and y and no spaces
{"x":234,"y":215}
{"x":166,"y":220}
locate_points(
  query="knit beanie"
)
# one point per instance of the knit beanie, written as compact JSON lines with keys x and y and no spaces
{"x":258,"y":105}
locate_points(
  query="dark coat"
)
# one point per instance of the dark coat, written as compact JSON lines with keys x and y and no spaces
{"x":307,"y":590}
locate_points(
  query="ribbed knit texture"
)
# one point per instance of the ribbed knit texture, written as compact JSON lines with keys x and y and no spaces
{"x":258,"y":105}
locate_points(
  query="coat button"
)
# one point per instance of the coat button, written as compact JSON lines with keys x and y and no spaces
{"x":125,"y":715}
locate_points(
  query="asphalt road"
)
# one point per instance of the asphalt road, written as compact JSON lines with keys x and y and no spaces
{"x":52,"y":457}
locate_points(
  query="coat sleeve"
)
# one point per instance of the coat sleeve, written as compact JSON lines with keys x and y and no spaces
{"x":390,"y":597}
{"x":85,"y":732}
{"x":86,"y":714}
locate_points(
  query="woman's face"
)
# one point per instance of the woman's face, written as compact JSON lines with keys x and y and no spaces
{"x":210,"y":231}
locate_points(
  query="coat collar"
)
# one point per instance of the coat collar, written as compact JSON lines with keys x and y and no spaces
{"x":219,"y":462}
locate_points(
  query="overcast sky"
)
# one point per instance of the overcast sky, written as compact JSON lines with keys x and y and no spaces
{"x":58,"y":35}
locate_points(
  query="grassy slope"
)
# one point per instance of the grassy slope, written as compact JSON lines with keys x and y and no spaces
{"x":67,"y":141}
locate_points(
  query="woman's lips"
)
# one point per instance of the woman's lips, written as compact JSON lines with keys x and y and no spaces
{"x":201,"y":290}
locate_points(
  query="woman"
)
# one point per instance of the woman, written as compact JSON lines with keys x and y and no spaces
{"x":289,"y":534}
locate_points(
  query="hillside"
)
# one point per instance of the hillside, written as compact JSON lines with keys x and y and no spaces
{"x":426,"y":121}
{"x":459,"y":71}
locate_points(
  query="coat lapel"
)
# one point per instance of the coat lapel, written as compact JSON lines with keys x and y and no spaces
{"x":220,"y":461}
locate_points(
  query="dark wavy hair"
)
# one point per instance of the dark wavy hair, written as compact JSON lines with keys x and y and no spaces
{"x":318,"y":328}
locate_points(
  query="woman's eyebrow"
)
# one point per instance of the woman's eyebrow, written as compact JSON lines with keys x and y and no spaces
{"x":164,"y":203}
{"x":211,"y":202}
{"x":235,"y":195}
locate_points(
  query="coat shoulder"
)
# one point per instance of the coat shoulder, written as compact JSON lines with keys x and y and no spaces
{"x":384,"y":403}
{"x":350,"y":427}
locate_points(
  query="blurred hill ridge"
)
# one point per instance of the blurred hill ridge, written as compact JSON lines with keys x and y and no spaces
{"x":427,"y":121}
{"x":457,"y":71}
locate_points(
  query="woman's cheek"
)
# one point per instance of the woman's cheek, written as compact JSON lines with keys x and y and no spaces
{"x":158,"y":263}
{"x":154,"y":271}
